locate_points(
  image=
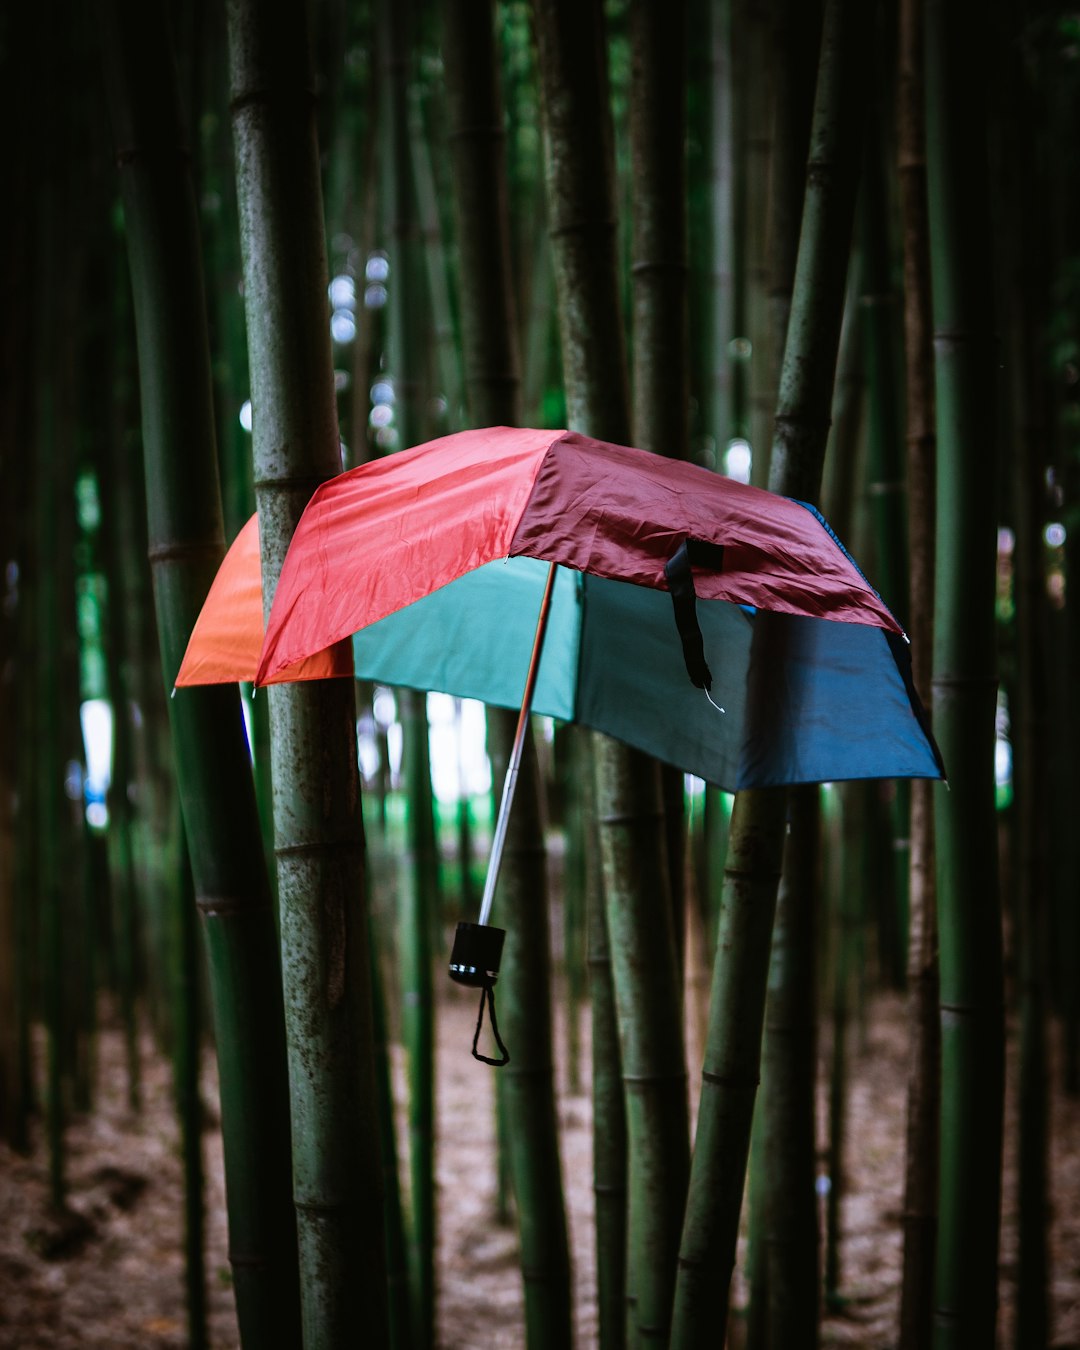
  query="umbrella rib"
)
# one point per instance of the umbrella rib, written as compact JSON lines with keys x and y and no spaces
{"x":510,"y":781}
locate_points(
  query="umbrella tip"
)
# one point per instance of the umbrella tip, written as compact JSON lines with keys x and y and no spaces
{"x":713,"y":701}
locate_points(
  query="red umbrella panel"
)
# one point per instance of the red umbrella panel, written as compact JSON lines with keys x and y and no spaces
{"x":379,"y":537}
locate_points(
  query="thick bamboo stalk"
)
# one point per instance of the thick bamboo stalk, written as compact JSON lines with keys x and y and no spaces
{"x":212,"y":764}
{"x":882,"y":335}
{"x":754,"y":854}
{"x":924,"y":1056}
{"x":786,"y":1210}
{"x":1027,"y":253}
{"x":489,"y":330}
{"x":660,"y":376}
{"x":581,"y":211}
{"x":965,"y":682}
{"x":730,"y":1074}
{"x":337,"y":1180}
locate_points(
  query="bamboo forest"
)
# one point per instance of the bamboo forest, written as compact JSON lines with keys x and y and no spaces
{"x":540,"y":542}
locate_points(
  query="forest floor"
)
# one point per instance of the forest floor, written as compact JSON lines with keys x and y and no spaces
{"x":109,"y":1274}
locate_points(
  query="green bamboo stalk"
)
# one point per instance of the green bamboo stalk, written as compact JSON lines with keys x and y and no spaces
{"x":526,"y":1086}
{"x":118,"y":509}
{"x":856,"y":851}
{"x":187,"y":1053}
{"x":610,"y":1145}
{"x":795,"y":40}
{"x":1026,"y":252}
{"x":924,"y":1057}
{"x":647,"y":994}
{"x":756,"y":102}
{"x":660,"y":378}
{"x":50,"y":804}
{"x":443,"y":336}
{"x":419,"y":909}
{"x":527,"y":1082}
{"x":16,"y":357}
{"x":754,"y":852}
{"x":790,"y":1219}
{"x":580,"y":212}
{"x":847,"y":442}
{"x":1030,"y":755}
{"x":719,"y":244}
{"x":784,"y":1216}
{"x":397,"y":1264}
{"x":882,"y":336}
{"x":211,"y":757}
{"x":756,"y":1265}
{"x":337,"y":1179}
{"x":964,"y":687}
{"x":730,"y":1073}
{"x":578,"y":139}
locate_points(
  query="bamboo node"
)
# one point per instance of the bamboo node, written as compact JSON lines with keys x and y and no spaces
{"x":642,"y":1080}
{"x":739,"y":1081}
{"x":314,"y":846}
{"x":186,"y":550}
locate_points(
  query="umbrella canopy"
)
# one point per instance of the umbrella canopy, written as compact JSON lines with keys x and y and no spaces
{"x":436,"y":559}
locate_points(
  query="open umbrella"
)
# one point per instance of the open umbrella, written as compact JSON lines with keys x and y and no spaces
{"x":717,"y":626}
{"x":437,"y":559}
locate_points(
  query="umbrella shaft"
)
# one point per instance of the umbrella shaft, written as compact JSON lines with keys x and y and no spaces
{"x":510,"y":782}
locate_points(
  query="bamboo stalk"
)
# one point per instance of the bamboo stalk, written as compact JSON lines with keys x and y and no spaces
{"x":337,"y":1178}
{"x":492,"y":376}
{"x":408,"y":320}
{"x":581,"y":211}
{"x":965,"y":683}
{"x":211,"y":757}
{"x":754,"y":852}
{"x":921,"y":1151}
{"x":791,"y":1237}
{"x":785,"y":1208}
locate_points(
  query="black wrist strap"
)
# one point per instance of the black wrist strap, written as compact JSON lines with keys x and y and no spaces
{"x":487,"y":993}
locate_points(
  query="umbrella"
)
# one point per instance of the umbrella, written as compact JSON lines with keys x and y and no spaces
{"x":437,"y":558}
{"x":553,"y":572}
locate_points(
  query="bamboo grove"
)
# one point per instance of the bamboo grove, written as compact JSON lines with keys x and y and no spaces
{"x":831,"y":248}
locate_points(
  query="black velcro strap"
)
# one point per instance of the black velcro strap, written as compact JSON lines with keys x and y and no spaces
{"x":487,"y":994}
{"x":680,"y":580}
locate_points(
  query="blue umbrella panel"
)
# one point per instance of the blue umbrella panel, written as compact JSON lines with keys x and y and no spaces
{"x":793,"y":699}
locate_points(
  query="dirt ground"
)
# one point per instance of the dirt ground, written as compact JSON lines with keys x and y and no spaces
{"x":111,"y":1276}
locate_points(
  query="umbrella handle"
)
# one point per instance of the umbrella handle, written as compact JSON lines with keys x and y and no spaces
{"x":510,"y":782}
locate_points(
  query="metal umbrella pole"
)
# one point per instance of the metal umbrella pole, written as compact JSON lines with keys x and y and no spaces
{"x":477,"y":946}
